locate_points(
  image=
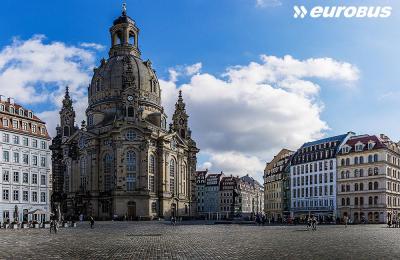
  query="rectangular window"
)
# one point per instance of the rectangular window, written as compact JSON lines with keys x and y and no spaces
{"x":16,"y":195}
{"x":34,"y":196}
{"x":16,"y":157}
{"x":16,"y":139}
{"x":6,"y":176}
{"x":34,"y":178}
{"x":6,"y":156}
{"x":34,"y":160}
{"x":16,"y":177}
{"x":320,"y":178}
{"x":325,"y":177}
{"x":25,"y":196}
{"x":25,"y":159}
{"x":25,"y":177}
{"x":25,"y":141}
{"x":331,"y":190}
{"x":6,"y":195}
{"x":42,"y":197}
{"x":42,"y":179}
{"x":34,"y":143}
{"x":5,"y":122}
{"x":15,"y":124}
{"x":43,"y":144}
{"x":6,"y":138}
{"x":43,"y":161}
{"x":25,"y":126}
{"x":33,"y":128}
{"x":151,"y":183}
{"x":331,"y":177}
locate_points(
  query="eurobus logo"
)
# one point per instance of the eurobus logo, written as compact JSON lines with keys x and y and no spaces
{"x":342,"y":11}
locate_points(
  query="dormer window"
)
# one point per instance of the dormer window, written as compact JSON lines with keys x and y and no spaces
{"x":11,"y":110}
{"x":1,"y":107}
{"x":5,"y":122}
{"x":345,"y":149}
{"x":30,"y":114}
{"x":371,"y":145}
{"x":33,"y":128}
{"x":21,"y":112}
{"x":359,"y":147}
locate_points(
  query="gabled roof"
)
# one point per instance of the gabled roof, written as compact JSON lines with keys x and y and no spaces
{"x":325,"y":140}
{"x":365,"y":139}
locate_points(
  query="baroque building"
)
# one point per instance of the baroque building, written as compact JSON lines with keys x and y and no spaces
{"x":368,"y":179}
{"x":277,"y":186}
{"x":25,"y":168}
{"x":124,"y":162}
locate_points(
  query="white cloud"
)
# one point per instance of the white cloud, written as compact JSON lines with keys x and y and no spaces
{"x":268,"y":3}
{"x":92,"y":45}
{"x":193,"y":69}
{"x":35,"y":73}
{"x":243,"y":118}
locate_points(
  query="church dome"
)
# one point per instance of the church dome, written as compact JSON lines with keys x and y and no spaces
{"x":124,"y":75}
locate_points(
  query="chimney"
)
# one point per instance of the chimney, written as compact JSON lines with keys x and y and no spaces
{"x":11,"y":101}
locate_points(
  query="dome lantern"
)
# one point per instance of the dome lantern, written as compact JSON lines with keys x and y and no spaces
{"x":124,"y":36}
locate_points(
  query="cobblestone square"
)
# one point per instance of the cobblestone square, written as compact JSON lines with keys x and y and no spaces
{"x":159,"y":240}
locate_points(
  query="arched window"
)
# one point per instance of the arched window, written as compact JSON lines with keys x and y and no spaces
{"x":172,"y":168}
{"x":370,"y":186}
{"x":83,"y":174}
{"x":342,"y":174}
{"x":370,"y":158}
{"x":347,"y":174}
{"x":370,"y":200}
{"x":108,"y":172}
{"x":356,"y":172}
{"x":342,"y":162}
{"x":347,"y":161}
{"x":343,"y":202}
{"x":361,"y":159}
{"x":132,"y":38}
{"x":356,"y":187}
{"x":66,"y":130}
{"x":369,"y":171}
{"x":376,"y":171}
{"x":361,"y":172}
{"x":361,"y":186}
{"x":375,"y":157}
{"x":355,"y":160}
{"x":348,"y":201}
{"x":375,"y":200}
{"x":376,"y":185}
{"x":131,"y":161}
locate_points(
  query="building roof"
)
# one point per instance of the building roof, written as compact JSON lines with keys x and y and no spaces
{"x":325,"y":140}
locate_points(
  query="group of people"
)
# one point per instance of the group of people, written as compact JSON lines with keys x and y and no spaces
{"x":312,"y":223}
{"x":394,"y":222}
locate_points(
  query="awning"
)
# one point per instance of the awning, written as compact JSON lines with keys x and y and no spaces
{"x":40,"y":212}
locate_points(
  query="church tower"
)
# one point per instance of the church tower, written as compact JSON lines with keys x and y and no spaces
{"x":180,"y":118}
{"x":67,"y":116}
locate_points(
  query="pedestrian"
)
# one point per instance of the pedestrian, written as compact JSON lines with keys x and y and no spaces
{"x":173,"y":222}
{"x":308,"y":223}
{"x":51,"y":225}
{"x":345,"y":219}
{"x":81,"y":217}
{"x":91,"y":222}
{"x":314,"y":223}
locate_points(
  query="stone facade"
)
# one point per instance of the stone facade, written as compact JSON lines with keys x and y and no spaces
{"x":276,"y":180}
{"x":124,"y":162}
{"x":313,"y":178}
{"x":25,"y":168}
{"x":251,"y":197}
{"x":368,"y":179}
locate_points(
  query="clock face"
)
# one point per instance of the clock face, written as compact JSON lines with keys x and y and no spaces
{"x":130,"y":98}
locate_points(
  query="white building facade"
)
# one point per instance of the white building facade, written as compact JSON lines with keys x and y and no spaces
{"x":313,"y":178}
{"x":25,"y":163}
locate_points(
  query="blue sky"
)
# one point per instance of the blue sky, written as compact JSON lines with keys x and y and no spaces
{"x":224,"y":33}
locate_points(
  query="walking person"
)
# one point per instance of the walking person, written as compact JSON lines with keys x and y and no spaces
{"x":345,"y":219}
{"x":51,"y":225}
{"x":91,"y":222}
{"x":314,"y":223}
